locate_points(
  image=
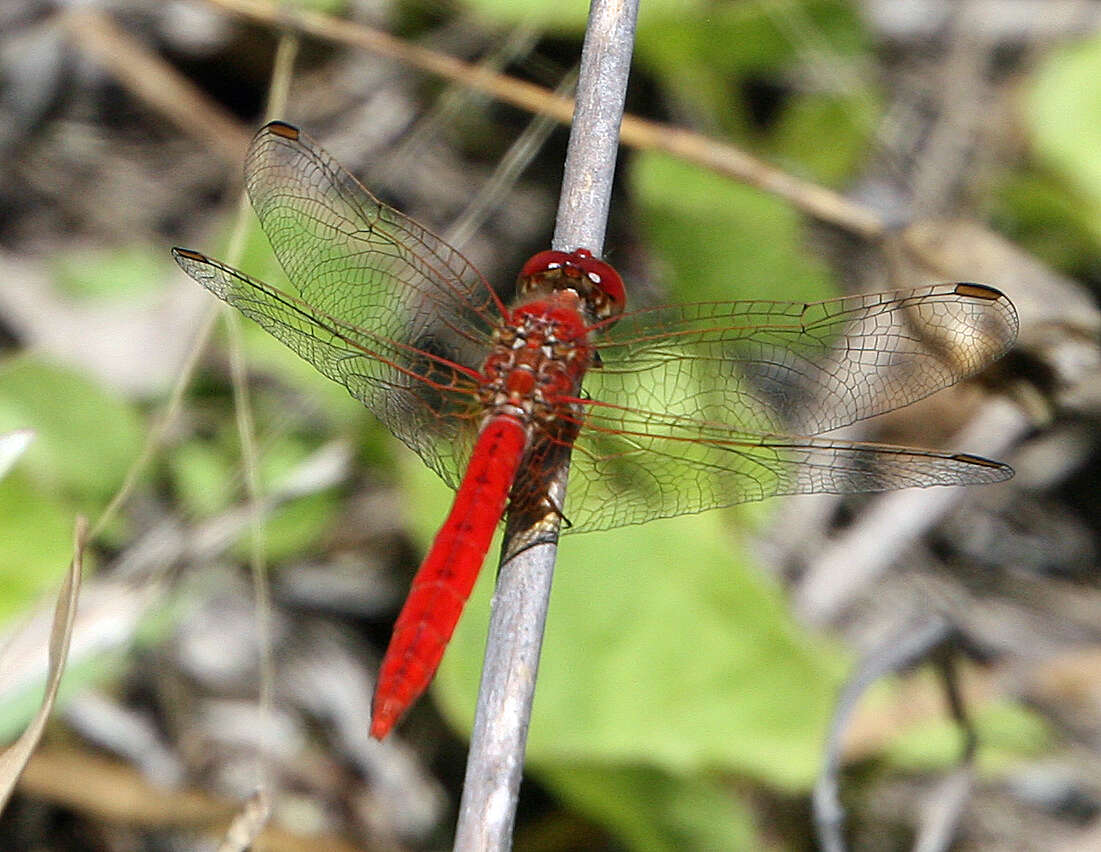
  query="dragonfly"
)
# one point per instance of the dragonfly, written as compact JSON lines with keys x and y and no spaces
{"x":658,"y":411}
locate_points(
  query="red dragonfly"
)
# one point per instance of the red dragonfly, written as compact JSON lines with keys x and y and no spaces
{"x":685,"y":408}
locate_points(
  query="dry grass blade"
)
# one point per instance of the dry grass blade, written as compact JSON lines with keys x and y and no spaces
{"x":13,"y":761}
{"x":110,"y":791}
{"x":157,"y":83}
{"x":812,"y":199}
{"x":248,"y":825}
{"x":250,"y":821}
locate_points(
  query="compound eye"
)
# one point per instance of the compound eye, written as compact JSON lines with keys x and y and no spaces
{"x":545,"y":261}
{"x":604,"y":278}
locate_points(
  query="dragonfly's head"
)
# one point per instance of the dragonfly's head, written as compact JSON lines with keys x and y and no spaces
{"x":597,"y":285}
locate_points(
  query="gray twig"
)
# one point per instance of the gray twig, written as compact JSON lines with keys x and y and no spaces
{"x":496,"y":759}
{"x":904,"y":650}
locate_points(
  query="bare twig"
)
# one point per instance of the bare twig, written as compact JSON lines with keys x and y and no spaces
{"x":902,"y":651}
{"x":812,"y":199}
{"x":250,"y":821}
{"x":496,"y":759}
{"x":155,"y":82}
{"x":13,"y":760}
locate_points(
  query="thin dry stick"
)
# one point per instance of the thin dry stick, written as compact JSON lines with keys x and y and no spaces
{"x":814,"y":200}
{"x":494,"y":766}
{"x":155,"y":82}
{"x":518,"y":157}
{"x":248,"y":823}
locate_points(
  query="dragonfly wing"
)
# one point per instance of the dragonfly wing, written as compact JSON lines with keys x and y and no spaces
{"x":352,"y":256}
{"x":632,"y":468}
{"x":428,"y":403}
{"x":692,"y":404}
{"x":802,"y":368}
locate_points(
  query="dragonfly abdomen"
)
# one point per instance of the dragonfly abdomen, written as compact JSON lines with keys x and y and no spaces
{"x":447,"y":576}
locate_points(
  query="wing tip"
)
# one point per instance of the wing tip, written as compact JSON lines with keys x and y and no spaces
{"x":1003,"y":306}
{"x":179,"y":253}
{"x":996,"y":471}
{"x":980,"y":291}
{"x":281,"y":129}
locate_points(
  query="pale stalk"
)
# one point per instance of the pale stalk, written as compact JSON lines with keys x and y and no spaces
{"x":495,"y":763}
{"x":247,"y":825}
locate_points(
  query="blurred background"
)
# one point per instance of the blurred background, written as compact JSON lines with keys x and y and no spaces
{"x":691,"y":666}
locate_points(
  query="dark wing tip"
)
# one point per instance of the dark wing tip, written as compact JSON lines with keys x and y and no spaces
{"x":188,"y":254}
{"x":979,"y":291}
{"x":1001,"y":302}
{"x":281,"y":128}
{"x":997,"y":472}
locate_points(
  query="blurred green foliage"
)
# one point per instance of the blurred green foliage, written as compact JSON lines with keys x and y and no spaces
{"x":670,"y":661}
{"x":1064,"y":114}
{"x":37,"y":532}
{"x":651,"y":811}
{"x":110,"y":273}
{"x":721,"y":240}
{"x":1052,"y":206}
{"x":85,"y":438}
{"x":85,"y":435}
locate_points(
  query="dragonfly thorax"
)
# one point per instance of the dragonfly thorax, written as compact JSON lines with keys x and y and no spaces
{"x":539,"y":357}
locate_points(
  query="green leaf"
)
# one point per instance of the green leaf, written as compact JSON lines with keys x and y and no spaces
{"x":722,"y":240}
{"x":652,"y":811}
{"x":704,"y":54}
{"x":663,"y":649}
{"x":35,"y":545}
{"x":1058,"y":223}
{"x":824,"y":138}
{"x":205,"y":480}
{"x":86,"y":437}
{"x":1064,"y":105}
{"x":123,"y":272}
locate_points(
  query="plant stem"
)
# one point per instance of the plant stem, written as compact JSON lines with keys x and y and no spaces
{"x":519,"y":612}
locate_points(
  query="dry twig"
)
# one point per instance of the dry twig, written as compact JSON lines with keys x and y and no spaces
{"x":495,"y":762}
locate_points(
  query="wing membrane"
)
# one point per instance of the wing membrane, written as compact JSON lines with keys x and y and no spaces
{"x":636,"y":467}
{"x":428,"y":403}
{"x":806,"y":368}
{"x":693,"y":404}
{"x":351,"y":256}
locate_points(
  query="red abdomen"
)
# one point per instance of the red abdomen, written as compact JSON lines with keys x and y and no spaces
{"x":446,"y":577}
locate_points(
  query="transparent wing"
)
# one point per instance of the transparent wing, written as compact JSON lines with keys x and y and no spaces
{"x":803,"y":367}
{"x":351,"y":256}
{"x":426,"y":400}
{"x":380,"y":303}
{"x":693,"y":405}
